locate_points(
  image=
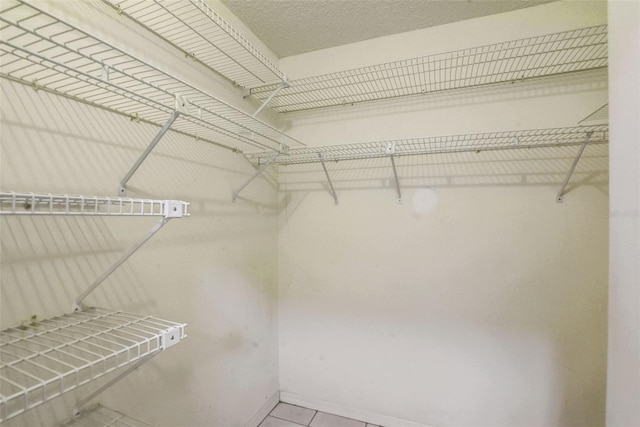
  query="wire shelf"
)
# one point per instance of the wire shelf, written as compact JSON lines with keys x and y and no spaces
{"x":101,"y":416}
{"x":546,"y":55}
{"x":40,"y":50}
{"x":44,"y":359}
{"x":12,"y":203}
{"x":193,"y":27}
{"x":521,"y":139}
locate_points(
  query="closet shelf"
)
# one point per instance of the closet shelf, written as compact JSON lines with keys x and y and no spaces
{"x":193,"y":27}
{"x":41,"y":50}
{"x":520,"y":139}
{"x":43,"y":359}
{"x":12,"y":203}
{"x":546,"y":55}
{"x":101,"y":416}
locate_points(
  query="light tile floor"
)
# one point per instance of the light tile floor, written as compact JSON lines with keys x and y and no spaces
{"x":286,"y":415}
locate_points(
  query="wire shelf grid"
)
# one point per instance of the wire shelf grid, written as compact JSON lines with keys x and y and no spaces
{"x":505,"y":140}
{"x":193,"y":27}
{"x":546,"y":55}
{"x":40,"y":50}
{"x":101,"y":416}
{"x":12,"y":203}
{"x":44,"y":359}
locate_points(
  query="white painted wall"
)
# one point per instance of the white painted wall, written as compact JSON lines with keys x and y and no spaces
{"x":623,"y":373}
{"x":215,"y":271}
{"x":479,"y":300}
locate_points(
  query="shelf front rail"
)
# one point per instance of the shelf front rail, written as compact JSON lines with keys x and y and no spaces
{"x":47,"y":358}
{"x":511,"y":61}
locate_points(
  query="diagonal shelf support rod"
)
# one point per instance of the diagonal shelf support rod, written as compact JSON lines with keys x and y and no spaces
{"x":83,"y":402}
{"x":266,"y":102}
{"x":123,"y":184}
{"x":390,"y":150}
{"x":118,"y":263}
{"x":560,"y":195}
{"x":333,"y":191}
{"x":255,"y":175}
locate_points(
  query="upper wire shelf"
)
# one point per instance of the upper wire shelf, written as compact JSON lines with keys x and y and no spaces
{"x":193,"y":27}
{"x":12,"y":203}
{"x":520,"y":139}
{"x":101,"y":416}
{"x":41,"y":50}
{"x":546,"y":55}
{"x":44,"y":359}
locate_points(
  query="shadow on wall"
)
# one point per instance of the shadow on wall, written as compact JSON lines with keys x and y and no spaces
{"x":55,"y":145}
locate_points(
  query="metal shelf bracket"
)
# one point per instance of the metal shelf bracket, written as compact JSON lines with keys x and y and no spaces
{"x":122,"y":190}
{"x":390,"y":150}
{"x":173,"y":210}
{"x":283,"y":85}
{"x":560,"y":195}
{"x":333,"y":191}
{"x":255,"y":175}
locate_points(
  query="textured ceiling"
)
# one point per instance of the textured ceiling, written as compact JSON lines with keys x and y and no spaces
{"x":292,"y":27}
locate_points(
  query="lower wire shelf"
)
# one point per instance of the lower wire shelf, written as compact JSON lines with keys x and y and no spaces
{"x":47,"y":358}
{"x":100,"y":416}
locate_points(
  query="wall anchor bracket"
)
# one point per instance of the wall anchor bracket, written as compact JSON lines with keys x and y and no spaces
{"x":560,"y":195}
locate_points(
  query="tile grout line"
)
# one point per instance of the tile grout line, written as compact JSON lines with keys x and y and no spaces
{"x":312,"y":418}
{"x":284,"y":419}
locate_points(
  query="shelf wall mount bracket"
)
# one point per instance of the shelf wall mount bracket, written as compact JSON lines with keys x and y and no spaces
{"x":258,"y":172}
{"x":283,"y":85}
{"x":390,"y":150}
{"x":561,"y":192}
{"x":122,"y":189}
{"x":333,"y":191}
{"x":173,"y":209}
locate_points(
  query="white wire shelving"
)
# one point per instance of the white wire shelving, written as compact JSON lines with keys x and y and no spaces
{"x":47,"y":358}
{"x":521,"y":139}
{"x":45,"y":52}
{"x":12,"y":203}
{"x":545,"y":55}
{"x":101,"y":416}
{"x":203,"y":35}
